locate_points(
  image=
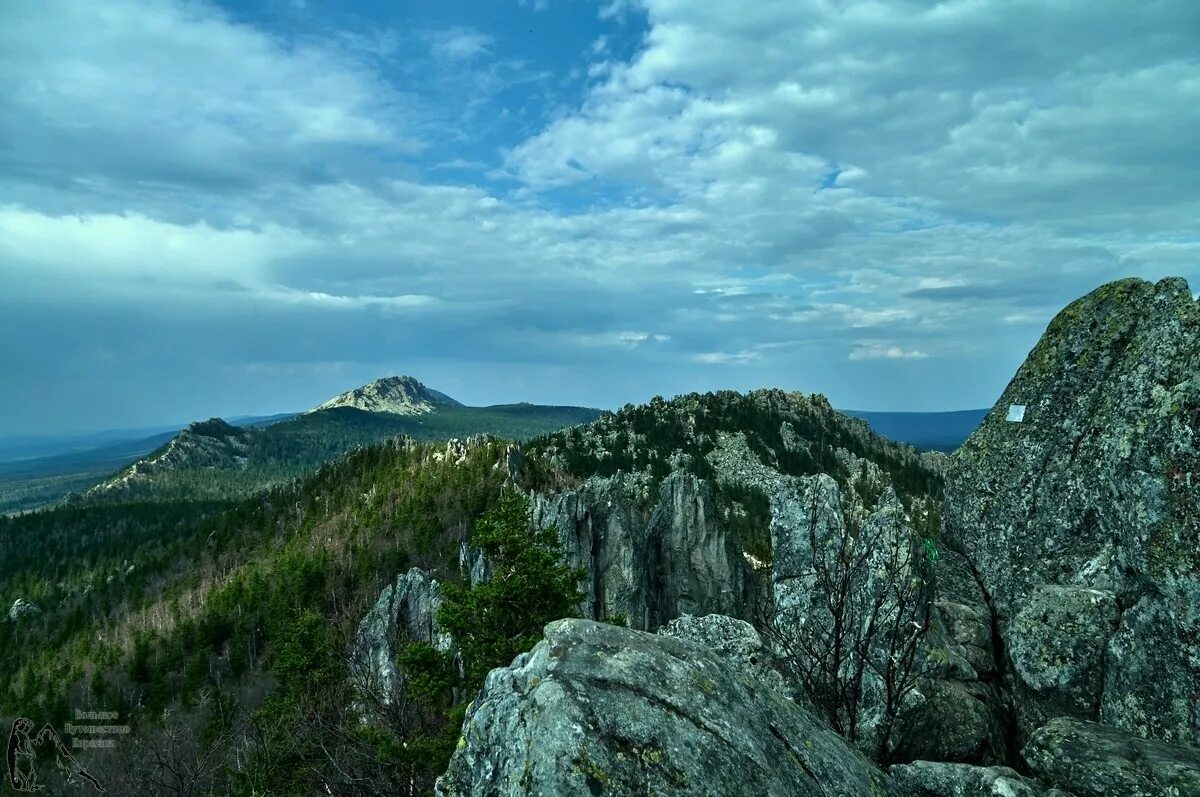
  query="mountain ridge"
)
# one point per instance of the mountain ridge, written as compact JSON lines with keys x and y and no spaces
{"x":214,"y":459}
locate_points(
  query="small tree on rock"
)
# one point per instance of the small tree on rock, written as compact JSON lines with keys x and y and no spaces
{"x":494,"y":621}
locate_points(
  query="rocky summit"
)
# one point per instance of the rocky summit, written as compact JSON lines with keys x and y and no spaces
{"x":1056,"y":650}
{"x":399,"y":395}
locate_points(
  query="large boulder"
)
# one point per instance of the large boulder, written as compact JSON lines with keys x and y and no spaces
{"x":937,"y":779}
{"x":648,"y":561}
{"x":734,"y":640}
{"x":1084,"y":475}
{"x":951,"y":721}
{"x":1087,"y":759}
{"x":596,"y":709}
{"x":1058,"y":643}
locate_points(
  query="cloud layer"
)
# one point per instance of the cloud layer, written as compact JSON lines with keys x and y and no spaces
{"x":885,"y":202}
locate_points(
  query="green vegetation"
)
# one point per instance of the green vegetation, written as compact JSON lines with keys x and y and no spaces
{"x":222,"y":463}
{"x":494,"y":621}
{"x":794,"y":434}
{"x":797,"y":435}
{"x":222,"y":632}
{"x":221,"y":626}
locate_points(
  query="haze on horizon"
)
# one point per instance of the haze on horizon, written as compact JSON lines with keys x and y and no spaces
{"x":248,"y":207}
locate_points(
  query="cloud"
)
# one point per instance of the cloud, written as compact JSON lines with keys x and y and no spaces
{"x":726,"y":358}
{"x":777,"y":186}
{"x":880,"y":351}
{"x":151,"y":97}
{"x":460,"y":44}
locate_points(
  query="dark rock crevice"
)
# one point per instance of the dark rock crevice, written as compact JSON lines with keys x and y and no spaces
{"x":1011,"y":736}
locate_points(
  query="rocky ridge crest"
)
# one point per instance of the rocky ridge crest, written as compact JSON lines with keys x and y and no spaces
{"x":203,"y":444}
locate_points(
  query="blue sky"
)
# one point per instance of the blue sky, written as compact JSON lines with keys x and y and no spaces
{"x":222,"y":209}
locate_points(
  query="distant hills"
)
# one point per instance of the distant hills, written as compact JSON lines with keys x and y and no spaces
{"x":213,"y":459}
{"x":39,"y":471}
{"x":219,"y":458}
{"x":932,"y":431}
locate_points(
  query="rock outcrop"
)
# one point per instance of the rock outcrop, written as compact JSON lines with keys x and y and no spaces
{"x":22,"y":608}
{"x":647,"y":566}
{"x":1057,"y":644}
{"x":1075,"y":500}
{"x":406,"y":611}
{"x":597,"y":709}
{"x":1087,"y":759}
{"x":734,"y":640}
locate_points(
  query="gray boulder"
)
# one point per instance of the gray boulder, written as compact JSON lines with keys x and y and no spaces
{"x":937,"y":779}
{"x":953,"y":721}
{"x":1087,"y":759}
{"x":406,"y":611}
{"x":596,"y":709}
{"x":1143,"y":690}
{"x":1085,"y":474}
{"x":1057,"y":646}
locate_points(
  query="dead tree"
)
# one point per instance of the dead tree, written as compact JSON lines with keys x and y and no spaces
{"x":849,"y":630}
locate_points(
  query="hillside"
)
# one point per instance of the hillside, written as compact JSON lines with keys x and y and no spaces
{"x":216,"y":460}
{"x":37,"y":472}
{"x":146,"y":606}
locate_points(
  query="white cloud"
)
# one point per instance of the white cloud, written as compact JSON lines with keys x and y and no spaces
{"x":881,"y":351}
{"x":461,"y":44}
{"x":726,"y":358}
{"x":321,"y":299}
{"x":770,"y":185}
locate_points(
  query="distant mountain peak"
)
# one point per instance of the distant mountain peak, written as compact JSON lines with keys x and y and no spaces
{"x":399,"y":395}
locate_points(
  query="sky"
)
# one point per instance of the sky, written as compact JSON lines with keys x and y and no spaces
{"x":247,"y":207}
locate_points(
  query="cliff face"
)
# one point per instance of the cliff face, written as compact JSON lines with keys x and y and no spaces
{"x":651,"y":562}
{"x":1076,"y":502}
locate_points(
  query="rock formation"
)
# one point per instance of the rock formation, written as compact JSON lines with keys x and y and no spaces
{"x":1091,"y":760}
{"x":1075,"y":501}
{"x":597,"y":709}
{"x":649,"y":566}
{"x":21,"y":608}
{"x":406,"y":611}
{"x":1061,"y":642}
{"x":935,"y":779}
